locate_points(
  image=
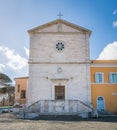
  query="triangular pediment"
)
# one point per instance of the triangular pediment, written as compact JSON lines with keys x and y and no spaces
{"x":59,"y":25}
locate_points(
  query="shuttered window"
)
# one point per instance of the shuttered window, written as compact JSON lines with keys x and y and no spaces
{"x":113,"y":77}
{"x":99,"y":77}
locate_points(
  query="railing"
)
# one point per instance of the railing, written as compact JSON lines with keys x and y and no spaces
{"x":58,"y":107}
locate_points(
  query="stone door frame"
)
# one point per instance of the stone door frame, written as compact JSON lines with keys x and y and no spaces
{"x":59,"y":82}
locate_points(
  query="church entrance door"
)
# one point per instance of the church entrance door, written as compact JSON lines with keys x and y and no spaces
{"x":59,"y":92}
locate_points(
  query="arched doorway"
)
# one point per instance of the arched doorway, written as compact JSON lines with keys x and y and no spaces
{"x":100,"y":104}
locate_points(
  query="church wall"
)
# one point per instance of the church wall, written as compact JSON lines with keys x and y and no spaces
{"x":43,"y":80}
{"x":74,"y":43}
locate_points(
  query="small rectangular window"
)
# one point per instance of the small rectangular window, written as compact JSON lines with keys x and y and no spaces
{"x":113,"y":77}
{"x":23,"y":94}
{"x":18,"y":88}
{"x":99,"y":77}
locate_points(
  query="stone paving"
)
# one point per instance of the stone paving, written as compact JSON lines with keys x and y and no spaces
{"x":11,"y":122}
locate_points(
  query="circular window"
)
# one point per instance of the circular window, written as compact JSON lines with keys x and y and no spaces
{"x":60,"y":46}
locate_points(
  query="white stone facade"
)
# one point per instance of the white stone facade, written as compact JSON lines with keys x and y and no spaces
{"x":48,"y":67}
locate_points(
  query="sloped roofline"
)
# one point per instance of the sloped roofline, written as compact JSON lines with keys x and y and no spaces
{"x":62,"y":21}
{"x":26,"y":77}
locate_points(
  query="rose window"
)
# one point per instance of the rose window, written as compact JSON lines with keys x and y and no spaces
{"x":60,"y":46}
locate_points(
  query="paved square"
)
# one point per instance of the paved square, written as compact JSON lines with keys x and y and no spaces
{"x":10,"y":122}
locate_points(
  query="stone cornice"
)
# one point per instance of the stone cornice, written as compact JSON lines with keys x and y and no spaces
{"x":59,"y":32}
{"x":107,"y":83}
{"x":32,"y":62}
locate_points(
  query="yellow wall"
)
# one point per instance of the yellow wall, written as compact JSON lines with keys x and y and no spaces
{"x":106,"y":89}
{"x":23,"y":82}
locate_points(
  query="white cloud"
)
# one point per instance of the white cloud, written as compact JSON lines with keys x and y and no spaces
{"x":2,"y":67}
{"x":14,"y":60}
{"x":115,"y":12}
{"x":109,"y":52}
{"x":115,"y":24}
{"x":27,"y":51}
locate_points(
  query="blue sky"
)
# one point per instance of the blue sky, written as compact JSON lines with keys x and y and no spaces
{"x":18,"y":16}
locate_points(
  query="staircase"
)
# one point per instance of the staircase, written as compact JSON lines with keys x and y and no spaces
{"x":58,"y":117}
{"x":56,"y":108}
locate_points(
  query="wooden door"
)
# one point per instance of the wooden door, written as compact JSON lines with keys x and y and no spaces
{"x":59,"y":92}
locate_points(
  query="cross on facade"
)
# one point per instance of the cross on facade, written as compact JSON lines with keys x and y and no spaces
{"x":59,"y":15}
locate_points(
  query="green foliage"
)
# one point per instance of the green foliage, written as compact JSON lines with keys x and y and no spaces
{"x":5,"y":77}
{"x":7,"y":90}
{"x":3,"y":90}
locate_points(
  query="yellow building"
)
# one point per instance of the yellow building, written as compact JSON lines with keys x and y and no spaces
{"x":103,"y":74}
{"x":104,"y":84}
{"x":21,"y":90}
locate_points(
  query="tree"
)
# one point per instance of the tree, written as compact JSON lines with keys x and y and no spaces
{"x":6,"y":90}
{"x":4,"y":79}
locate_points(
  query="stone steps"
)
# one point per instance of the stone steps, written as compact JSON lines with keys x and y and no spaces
{"x":56,"y":108}
{"x":58,"y":117}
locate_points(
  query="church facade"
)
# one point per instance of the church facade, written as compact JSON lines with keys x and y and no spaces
{"x":62,"y":78}
{"x":59,"y":66}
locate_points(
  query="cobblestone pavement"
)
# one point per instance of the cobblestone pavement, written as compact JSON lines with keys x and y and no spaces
{"x":10,"y":122}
